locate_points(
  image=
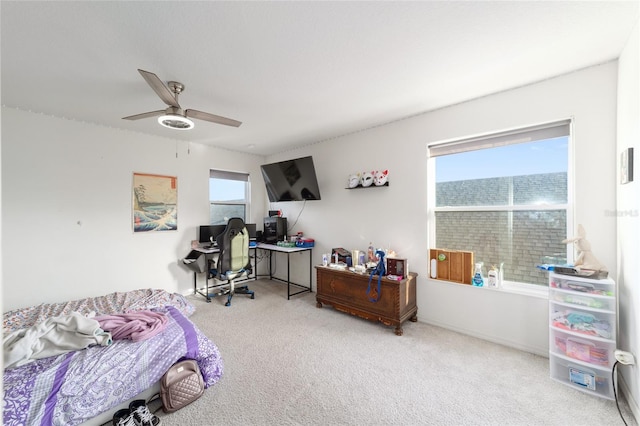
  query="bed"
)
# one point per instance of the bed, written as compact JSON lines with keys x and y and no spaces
{"x":75,"y":387}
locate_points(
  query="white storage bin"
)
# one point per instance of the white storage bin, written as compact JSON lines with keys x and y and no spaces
{"x":582,"y":376}
{"x":583,"y":286}
{"x":583,"y":300}
{"x":582,"y":333}
{"x":583,"y":322}
{"x":595,"y":352}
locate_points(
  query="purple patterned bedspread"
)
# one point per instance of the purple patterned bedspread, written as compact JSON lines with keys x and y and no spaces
{"x":113,"y":303}
{"x":72,"y":388}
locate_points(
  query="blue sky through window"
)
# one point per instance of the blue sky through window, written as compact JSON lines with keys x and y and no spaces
{"x":226,"y":190}
{"x":546,"y":156}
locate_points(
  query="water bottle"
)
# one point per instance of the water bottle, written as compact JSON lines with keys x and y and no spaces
{"x":477,"y":280}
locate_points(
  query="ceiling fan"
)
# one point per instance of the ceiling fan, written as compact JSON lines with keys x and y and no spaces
{"x":175,"y":117}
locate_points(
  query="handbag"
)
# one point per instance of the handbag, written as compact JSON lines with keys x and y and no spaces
{"x":181,"y":385}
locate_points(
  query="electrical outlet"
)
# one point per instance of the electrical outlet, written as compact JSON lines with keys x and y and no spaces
{"x":624,"y":357}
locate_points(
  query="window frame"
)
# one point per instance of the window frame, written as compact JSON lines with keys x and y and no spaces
{"x":233,"y":176}
{"x":489,"y":140}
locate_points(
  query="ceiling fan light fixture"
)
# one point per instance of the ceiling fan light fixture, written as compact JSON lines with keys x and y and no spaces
{"x":174,"y":121}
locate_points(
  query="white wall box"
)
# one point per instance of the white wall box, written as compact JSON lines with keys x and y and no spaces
{"x":582,"y":332}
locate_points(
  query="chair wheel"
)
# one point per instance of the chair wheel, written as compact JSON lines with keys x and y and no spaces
{"x":253,"y":296}
{"x":227,"y":304}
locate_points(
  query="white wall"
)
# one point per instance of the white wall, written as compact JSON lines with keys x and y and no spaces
{"x":57,"y":173}
{"x":628,"y":220}
{"x":66,"y":199}
{"x":396,"y":216}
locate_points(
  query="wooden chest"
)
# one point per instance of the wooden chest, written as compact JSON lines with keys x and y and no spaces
{"x":347,"y":292}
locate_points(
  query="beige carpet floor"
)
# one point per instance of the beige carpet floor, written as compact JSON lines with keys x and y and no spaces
{"x":286,"y":362}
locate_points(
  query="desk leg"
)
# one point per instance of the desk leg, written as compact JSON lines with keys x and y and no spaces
{"x":310,"y":268}
{"x":270,"y":270}
{"x":288,"y":277}
{"x":195,"y":286}
{"x":255,"y":264}
{"x":206,"y":282}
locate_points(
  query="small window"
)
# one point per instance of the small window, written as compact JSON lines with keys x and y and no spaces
{"x":505,"y":197}
{"x":229,"y":196}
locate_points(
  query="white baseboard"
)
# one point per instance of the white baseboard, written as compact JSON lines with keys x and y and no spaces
{"x":623,"y":390}
{"x":544,"y":352}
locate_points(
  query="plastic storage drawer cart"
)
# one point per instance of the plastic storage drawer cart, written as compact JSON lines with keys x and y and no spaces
{"x":582,"y":332}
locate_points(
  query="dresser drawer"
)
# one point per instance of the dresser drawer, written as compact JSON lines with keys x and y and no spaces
{"x":347,"y":292}
{"x":353,"y":291}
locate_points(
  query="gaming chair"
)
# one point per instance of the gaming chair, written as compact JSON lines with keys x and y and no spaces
{"x":234,"y":261}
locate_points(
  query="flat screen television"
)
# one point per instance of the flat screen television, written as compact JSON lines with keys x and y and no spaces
{"x":291,"y":180}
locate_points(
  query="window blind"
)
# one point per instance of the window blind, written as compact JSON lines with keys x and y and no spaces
{"x":508,"y":137}
{"x":223,"y":174}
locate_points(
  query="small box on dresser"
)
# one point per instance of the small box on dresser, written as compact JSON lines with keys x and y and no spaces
{"x":582,"y":333}
{"x":347,"y":292}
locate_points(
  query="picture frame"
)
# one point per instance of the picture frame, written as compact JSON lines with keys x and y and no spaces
{"x":626,"y":166}
{"x":154,"y":203}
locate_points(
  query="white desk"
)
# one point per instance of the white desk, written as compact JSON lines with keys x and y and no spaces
{"x":209,"y":254}
{"x":272,"y":248}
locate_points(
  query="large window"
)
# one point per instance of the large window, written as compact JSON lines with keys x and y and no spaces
{"x":504,"y":197}
{"x":229,"y":196}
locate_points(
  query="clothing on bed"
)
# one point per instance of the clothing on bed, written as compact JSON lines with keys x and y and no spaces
{"x":53,"y":336}
{"x":112,"y":303}
{"x":135,"y":326}
{"x":75,"y":387}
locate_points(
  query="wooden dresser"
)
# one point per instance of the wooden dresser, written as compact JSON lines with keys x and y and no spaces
{"x":347,"y":292}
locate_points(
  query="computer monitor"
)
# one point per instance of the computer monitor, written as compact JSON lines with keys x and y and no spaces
{"x":209,"y":233}
{"x":251,"y":228}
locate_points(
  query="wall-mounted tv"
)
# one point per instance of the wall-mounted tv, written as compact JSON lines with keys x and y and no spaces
{"x":291,"y":180}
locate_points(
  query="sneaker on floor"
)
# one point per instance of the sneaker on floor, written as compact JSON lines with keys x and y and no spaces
{"x":141,"y":414}
{"x":124,"y":418}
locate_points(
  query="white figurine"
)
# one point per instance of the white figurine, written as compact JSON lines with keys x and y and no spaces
{"x":585,"y":259}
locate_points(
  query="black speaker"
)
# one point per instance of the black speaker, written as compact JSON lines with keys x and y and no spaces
{"x":275,"y":229}
{"x":259,"y":236}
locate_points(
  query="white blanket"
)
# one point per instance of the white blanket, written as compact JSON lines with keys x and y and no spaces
{"x":54,"y":336}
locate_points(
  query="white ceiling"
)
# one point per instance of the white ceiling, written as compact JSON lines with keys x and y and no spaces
{"x":293,"y":72}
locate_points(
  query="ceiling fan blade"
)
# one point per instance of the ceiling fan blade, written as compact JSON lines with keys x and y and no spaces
{"x":144,"y":115}
{"x":160,"y":88}
{"x":192,"y":113}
